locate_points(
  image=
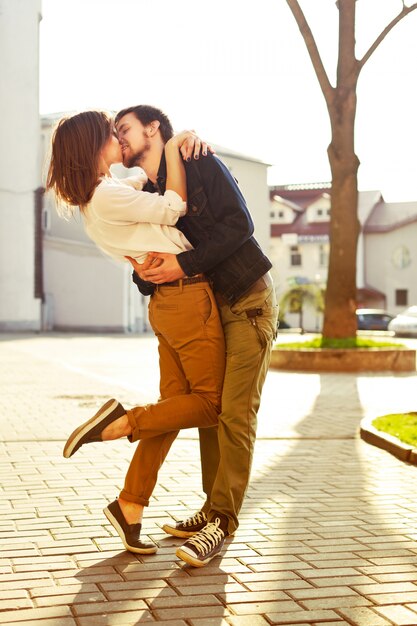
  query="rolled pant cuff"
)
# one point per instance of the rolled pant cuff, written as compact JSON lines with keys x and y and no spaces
{"x":130,"y":497}
{"x":205,"y":508}
{"x":134,"y":436}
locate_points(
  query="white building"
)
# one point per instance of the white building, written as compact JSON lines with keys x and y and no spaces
{"x":20,"y":302}
{"x":386,"y":259}
{"x":390,"y":236}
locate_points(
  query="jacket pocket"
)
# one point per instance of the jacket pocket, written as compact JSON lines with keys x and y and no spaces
{"x":197,"y":203}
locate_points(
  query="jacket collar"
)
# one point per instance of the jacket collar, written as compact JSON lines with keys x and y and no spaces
{"x":161,"y":178}
{"x":162,"y":172}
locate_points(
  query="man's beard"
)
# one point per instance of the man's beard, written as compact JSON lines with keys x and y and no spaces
{"x":138,"y":157}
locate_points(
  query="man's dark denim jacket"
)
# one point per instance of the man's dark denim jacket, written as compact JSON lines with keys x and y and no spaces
{"x":220,"y":228}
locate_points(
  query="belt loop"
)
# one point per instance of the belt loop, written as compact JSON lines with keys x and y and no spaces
{"x":181,"y":285}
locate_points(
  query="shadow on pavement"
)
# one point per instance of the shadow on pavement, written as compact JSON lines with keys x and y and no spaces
{"x":323,"y":503}
{"x":135,"y":589}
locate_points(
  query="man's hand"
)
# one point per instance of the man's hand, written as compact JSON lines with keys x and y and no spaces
{"x":158,"y":268}
{"x":139,"y":268}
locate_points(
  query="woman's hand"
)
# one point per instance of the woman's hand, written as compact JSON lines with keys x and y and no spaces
{"x":158,"y":268}
{"x":190,"y":145}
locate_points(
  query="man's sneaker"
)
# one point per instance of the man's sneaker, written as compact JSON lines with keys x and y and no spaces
{"x":91,"y":430}
{"x":188,"y":527}
{"x":129,"y":533}
{"x":203,"y":546}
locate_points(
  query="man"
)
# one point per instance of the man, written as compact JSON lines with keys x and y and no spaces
{"x":219,"y":226}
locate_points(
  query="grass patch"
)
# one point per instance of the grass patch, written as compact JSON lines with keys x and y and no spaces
{"x":401,"y":425}
{"x":342,"y":344}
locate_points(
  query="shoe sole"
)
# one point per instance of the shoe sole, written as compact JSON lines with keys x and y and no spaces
{"x":187,"y":558}
{"x":178,"y":533}
{"x":113,"y":521}
{"x":82,"y":430}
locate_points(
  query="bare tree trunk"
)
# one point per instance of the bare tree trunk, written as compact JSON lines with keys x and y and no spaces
{"x":340,"y":303}
{"x":339,"y":317}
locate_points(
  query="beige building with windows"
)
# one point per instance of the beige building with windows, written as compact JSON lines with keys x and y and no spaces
{"x":391,"y":253}
{"x":299,"y":251}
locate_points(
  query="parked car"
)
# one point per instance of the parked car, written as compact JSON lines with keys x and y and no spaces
{"x":405,"y":323}
{"x":373,"y":319}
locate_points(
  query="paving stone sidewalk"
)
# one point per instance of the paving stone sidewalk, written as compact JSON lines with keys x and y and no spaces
{"x":328,"y":533}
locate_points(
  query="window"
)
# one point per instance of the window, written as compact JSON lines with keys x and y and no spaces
{"x":401,"y":297}
{"x":272,"y":214}
{"x":319,"y":212}
{"x":46,"y":220}
{"x":281,"y":214}
{"x":38,"y":243}
{"x":328,"y":212}
{"x":295,"y":258}
{"x":323,"y":254}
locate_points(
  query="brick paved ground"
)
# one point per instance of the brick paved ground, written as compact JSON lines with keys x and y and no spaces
{"x":328,"y":533}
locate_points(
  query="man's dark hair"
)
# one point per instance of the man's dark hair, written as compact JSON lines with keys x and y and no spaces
{"x":147,"y":114}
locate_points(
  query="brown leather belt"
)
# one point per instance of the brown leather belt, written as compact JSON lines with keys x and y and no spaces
{"x":192,"y":280}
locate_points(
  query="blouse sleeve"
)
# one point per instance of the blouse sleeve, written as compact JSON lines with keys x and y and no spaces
{"x":120,"y":204}
{"x":138,"y":181}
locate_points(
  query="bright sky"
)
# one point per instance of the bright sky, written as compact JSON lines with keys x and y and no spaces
{"x":238,"y":72}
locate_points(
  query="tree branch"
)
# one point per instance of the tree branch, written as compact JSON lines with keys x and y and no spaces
{"x":347,"y":65}
{"x":312,"y":49}
{"x":405,"y":11}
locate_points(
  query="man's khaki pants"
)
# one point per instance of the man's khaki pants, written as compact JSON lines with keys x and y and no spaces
{"x":191,"y":348}
{"x":226,"y":455}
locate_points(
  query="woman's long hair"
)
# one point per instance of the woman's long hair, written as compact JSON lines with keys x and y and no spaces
{"x":77,"y":143}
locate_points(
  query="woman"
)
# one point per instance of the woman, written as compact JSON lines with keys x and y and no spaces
{"x":125,"y":221}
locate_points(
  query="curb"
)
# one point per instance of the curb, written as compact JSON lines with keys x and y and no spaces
{"x":340,"y":360}
{"x":394,"y":446}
